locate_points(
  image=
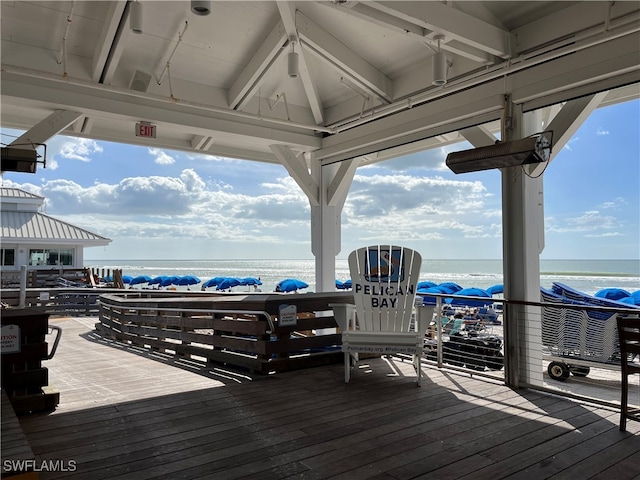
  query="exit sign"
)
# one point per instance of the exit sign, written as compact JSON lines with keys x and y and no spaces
{"x":145,"y":130}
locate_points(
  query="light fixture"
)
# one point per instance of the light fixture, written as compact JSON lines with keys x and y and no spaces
{"x":292,"y":60}
{"x":199,"y":7}
{"x":135,"y":17}
{"x":439,"y":64}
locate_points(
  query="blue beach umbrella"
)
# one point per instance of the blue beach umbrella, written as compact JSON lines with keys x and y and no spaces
{"x":229,"y":282}
{"x":168,"y":280}
{"x":612,"y":293}
{"x":250,"y":281}
{"x":213,"y":282}
{"x":631,"y":300}
{"x":187,"y":280}
{"x":425,"y":284}
{"x":436,"y":289}
{"x":290,"y":285}
{"x":495,"y":289}
{"x":450,"y":287}
{"x":339,"y":285}
{"x":157,"y":280}
{"x":429,"y":300}
{"x":127,"y":279}
{"x":140,"y":279}
{"x":347,"y":284}
{"x":469,"y":292}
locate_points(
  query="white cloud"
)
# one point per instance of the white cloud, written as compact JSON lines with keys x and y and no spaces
{"x":192,"y":181}
{"x":183,"y":207}
{"x":404,"y":207}
{"x":79,"y":149}
{"x":601,"y":131}
{"x":605,"y":235}
{"x":615,"y":203}
{"x":211,"y":158}
{"x":162,"y":157}
{"x":386,"y":195}
{"x":590,"y":222}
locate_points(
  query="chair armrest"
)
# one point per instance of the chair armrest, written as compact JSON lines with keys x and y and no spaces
{"x":424,"y":315}
{"x":343,"y":312}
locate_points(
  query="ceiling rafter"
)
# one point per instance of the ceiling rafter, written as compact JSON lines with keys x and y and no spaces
{"x":458,"y":48}
{"x":406,"y":28}
{"x":382,"y":19}
{"x":584,"y":16}
{"x":116,"y":50}
{"x":344,"y":60}
{"x":247,"y":83}
{"x":453,"y":23}
{"x":288,"y":16}
{"x":478,"y":136}
{"x":108,"y":37}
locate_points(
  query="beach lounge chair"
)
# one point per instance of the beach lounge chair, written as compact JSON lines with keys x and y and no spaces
{"x":629,"y":335}
{"x":384,"y":281}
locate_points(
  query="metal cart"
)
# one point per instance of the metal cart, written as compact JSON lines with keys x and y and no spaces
{"x":574,"y":340}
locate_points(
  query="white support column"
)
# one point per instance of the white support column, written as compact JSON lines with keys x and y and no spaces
{"x":523,"y":241}
{"x":523,"y":236}
{"x":326,"y":188}
{"x":326,"y":236}
{"x":325,"y":244}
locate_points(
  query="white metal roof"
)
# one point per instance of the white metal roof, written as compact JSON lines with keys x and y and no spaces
{"x":219,"y":84}
{"x":38,"y":228}
{"x":8,"y":194}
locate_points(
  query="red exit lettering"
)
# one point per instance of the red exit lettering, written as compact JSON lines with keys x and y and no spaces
{"x":145,"y":130}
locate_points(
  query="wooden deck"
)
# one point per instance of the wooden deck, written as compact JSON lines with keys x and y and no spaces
{"x":128,"y":414}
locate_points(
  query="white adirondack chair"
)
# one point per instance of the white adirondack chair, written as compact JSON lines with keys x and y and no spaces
{"x":384,"y":281}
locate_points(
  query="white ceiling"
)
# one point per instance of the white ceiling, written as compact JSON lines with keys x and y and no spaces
{"x":218,"y":84}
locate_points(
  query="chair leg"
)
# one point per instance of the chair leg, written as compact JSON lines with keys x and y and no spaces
{"x":347,"y":367}
{"x":417,"y":366}
{"x":624,"y":405}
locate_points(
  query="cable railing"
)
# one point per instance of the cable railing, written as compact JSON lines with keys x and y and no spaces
{"x":564,"y":346}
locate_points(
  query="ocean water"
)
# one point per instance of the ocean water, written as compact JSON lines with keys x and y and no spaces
{"x":588,"y":276}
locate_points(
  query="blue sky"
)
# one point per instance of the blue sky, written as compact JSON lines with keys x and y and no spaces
{"x":158,"y":204}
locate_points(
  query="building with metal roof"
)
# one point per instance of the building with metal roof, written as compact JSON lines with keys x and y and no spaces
{"x":34,"y":239}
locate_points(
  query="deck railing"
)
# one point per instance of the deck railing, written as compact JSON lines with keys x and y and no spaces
{"x":80,"y":300}
{"x":43,"y":277}
{"x":246,"y":331}
{"x":55,"y":301}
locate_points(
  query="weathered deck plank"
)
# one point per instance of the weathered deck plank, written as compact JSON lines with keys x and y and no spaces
{"x":126,"y":414}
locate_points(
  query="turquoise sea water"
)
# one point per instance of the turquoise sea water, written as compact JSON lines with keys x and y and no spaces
{"x":588,"y":276}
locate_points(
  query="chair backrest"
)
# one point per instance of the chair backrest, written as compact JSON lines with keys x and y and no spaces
{"x":384,"y":286}
{"x":629,"y":336}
